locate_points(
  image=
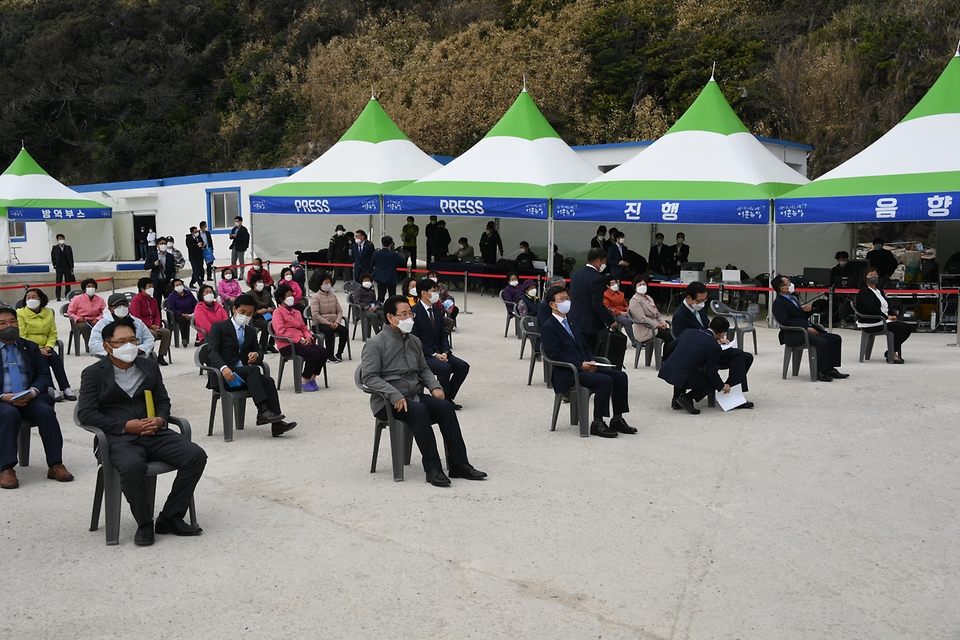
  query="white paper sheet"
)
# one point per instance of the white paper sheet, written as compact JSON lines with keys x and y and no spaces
{"x":731,"y":400}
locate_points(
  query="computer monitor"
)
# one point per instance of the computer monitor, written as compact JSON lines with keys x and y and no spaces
{"x":816,"y":277}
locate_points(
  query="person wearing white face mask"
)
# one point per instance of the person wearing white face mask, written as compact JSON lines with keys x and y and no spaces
{"x":326,"y":311}
{"x":646,"y":318}
{"x":113,"y":398}
{"x":600,"y":241}
{"x":587,"y":286}
{"x":228,"y":288}
{"x":292,"y":336}
{"x":86,"y":310}
{"x":62,"y":258}
{"x":118,"y":310}
{"x":371,"y":311}
{"x":394,"y":368}
{"x":163,"y":269}
{"x":339,"y":253}
{"x":263,"y":272}
{"x":38,"y":325}
{"x":286,"y":279}
{"x":362,"y":251}
{"x":616,"y":304}
{"x":181,"y":302}
{"x":617,"y":261}
{"x":207,"y":313}
{"x":430,"y":328}
{"x":386,"y":262}
{"x":681,"y":254}
{"x":265,"y":308}
{"x":790,"y":313}
{"x":144,"y":306}
{"x":562,"y":340}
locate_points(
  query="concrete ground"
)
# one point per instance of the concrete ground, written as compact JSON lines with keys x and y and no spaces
{"x":828,"y":511}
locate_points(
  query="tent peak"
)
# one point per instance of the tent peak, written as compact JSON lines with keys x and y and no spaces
{"x":956,"y":55}
{"x":524,"y":90}
{"x":713,"y":71}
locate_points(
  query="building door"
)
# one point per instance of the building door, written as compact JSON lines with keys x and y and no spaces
{"x":142,"y":223}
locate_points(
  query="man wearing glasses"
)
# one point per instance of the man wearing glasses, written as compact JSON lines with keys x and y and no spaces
{"x":393,"y":365}
{"x":112,"y":398}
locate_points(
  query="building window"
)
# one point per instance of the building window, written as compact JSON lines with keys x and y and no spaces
{"x":17,"y":230}
{"x":223,"y":207}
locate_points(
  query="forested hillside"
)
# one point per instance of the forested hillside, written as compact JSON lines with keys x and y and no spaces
{"x":106,"y":90}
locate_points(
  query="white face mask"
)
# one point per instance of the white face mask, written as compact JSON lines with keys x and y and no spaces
{"x":256,"y":268}
{"x":614,"y":287}
{"x":790,"y":288}
{"x":642,"y":288}
{"x":33,"y":304}
{"x":434,"y":298}
{"x":91,"y":291}
{"x":564,"y":307}
{"x":603,"y":267}
{"x":289,"y":301}
{"x":600,"y":236}
{"x":405,"y":325}
{"x":242,"y":320}
{"x":368,"y":285}
{"x":162,"y":248}
{"x":61,"y":242}
{"x":679,"y":241}
{"x":514,"y":283}
{"x":412,"y":292}
{"x":288,"y":277}
{"x":121,"y":311}
{"x":258,"y":286}
{"x":126,"y":353}
{"x":358,"y":241}
{"x":659,"y":243}
{"x":697,"y":306}
{"x":178,"y":288}
{"x":340,"y":232}
{"x":326,"y":287}
{"x":148,"y":291}
{"x":228,"y":276}
{"x":842,"y":263}
{"x":209,"y":298}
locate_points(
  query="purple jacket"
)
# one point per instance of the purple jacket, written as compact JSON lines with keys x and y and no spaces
{"x":181,"y":304}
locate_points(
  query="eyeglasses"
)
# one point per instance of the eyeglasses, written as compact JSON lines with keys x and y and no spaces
{"x":120,"y":343}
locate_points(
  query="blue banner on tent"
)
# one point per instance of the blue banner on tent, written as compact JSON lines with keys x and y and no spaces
{"x":30,"y":215}
{"x":660,"y":211}
{"x":316,"y":204}
{"x":456,"y":206}
{"x":899,"y":207}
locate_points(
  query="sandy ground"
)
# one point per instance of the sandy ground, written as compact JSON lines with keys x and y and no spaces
{"x":828,"y":511}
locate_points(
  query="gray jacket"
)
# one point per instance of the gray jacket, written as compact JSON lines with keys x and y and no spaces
{"x":393,"y":364}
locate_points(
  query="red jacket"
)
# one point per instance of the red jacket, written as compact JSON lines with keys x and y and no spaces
{"x":146,"y":308}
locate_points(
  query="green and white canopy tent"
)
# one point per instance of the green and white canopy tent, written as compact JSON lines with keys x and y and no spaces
{"x":513,"y":172}
{"x":373,"y":157}
{"x":911,"y":173}
{"x":29,"y":194}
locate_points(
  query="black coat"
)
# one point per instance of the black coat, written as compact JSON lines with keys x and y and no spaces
{"x":433,"y":336}
{"x":223,"y":348}
{"x":103,"y":404}
{"x":160,"y":275}
{"x":691,"y":352}
{"x":789,"y":314}
{"x":339,"y":250}
{"x":241,"y":239}
{"x":661,"y":259}
{"x":586,"y":300}
{"x":194,"y":250}
{"x":557,"y":344}
{"x":684,"y":319}
{"x":62,"y":258}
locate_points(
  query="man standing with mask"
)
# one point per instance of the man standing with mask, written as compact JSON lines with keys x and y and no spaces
{"x":587,"y":286}
{"x":113,"y":399}
{"x":195,"y":244}
{"x":162,"y":269}
{"x":26,"y":378}
{"x":393,"y":366}
{"x":660,"y":256}
{"x":409,"y":235}
{"x":681,"y":254}
{"x":339,"y":253}
{"x":207,"y":239}
{"x":62,"y":258}
{"x":241,"y":241}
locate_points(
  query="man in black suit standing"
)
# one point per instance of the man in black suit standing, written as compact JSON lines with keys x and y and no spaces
{"x":163,"y":269}
{"x":429,"y":327}
{"x":62,"y":258}
{"x":681,"y":254}
{"x":241,"y":241}
{"x":660,"y":256}
{"x":790,"y":313}
{"x":233,"y":348}
{"x":362,"y":255}
{"x":428,"y":232}
{"x":113,"y":399}
{"x":207,"y":238}
{"x":586,"y":292}
{"x":24,"y":381}
{"x":692,"y":315}
{"x":195,"y":244}
{"x":385,"y":262}
{"x":692,"y":368}
{"x":560,"y":340}
{"x":617,"y":257}
{"x":600,"y":241}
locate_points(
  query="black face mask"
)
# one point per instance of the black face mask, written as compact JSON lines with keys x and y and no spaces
{"x":9,"y":334}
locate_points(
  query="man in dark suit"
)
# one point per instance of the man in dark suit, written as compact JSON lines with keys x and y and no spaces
{"x":560,"y":340}
{"x":62,"y":258}
{"x":385,"y":262}
{"x":693,"y":367}
{"x":790,"y":313}
{"x":25,"y":371}
{"x":429,"y":327}
{"x":586,"y":292}
{"x":681,"y":254}
{"x":362,"y":255}
{"x":660,"y":256}
{"x":338,"y":252}
{"x":692,"y":315}
{"x":617,"y":257}
{"x":428,"y":232}
{"x":240,"y":244}
{"x":439,"y":240}
{"x":233,"y":348}
{"x":163,"y":269}
{"x":195,"y":244}
{"x":600,"y":241}
{"x":113,"y":398}
{"x":207,"y":238}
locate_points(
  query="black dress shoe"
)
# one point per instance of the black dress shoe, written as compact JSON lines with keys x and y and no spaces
{"x":621,"y":426}
{"x":437,"y":478}
{"x":177,"y":527}
{"x":824,"y":377}
{"x":269,"y":417}
{"x":898,"y":361}
{"x":144,"y":537}
{"x":833,"y":373}
{"x":70,"y":397}
{"x":675,"y":405}
{"x":161,"y":361}
{"x":745,"y":405}
{"x":687,"y":403}
{"x":456,"y":407}
{"x":601,"y":429}
{"x":467,"y":471}
{"x":277,"y":429}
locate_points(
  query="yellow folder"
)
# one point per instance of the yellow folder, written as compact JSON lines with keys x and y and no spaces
{"x":148,"y":396}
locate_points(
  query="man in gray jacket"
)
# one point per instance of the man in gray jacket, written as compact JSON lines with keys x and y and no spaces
{"x":393,"y":365}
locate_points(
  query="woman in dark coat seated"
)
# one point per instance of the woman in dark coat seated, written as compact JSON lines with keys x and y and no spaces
{"x":872,"y":302}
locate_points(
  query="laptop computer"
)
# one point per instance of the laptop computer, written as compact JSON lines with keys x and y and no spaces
{"x":540,"y":264}
{"x":730,"y":276}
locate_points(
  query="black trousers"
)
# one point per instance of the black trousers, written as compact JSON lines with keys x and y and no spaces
{"x":828,"y":346}
{"x":341,"y":273}
{"x":901,"y":331}
{"x":184,"y":325}
{"x":699,"y":385}
{"x":413,"y":255}
{"x":606,"y":382}
{"x":420,"y":416}
{"x":329,"y":334}
{"x":197,"y":276}
{"x":64,"y":276}
{"x":39,"y":413}
{"x":738,"y":362}
{"x":262,"y":388}
{"x":385,"y":289}
{"x":450,"y":374}
{"x":130,"y":457}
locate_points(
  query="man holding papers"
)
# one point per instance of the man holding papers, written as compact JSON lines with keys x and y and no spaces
{"x":124,"y":396}
{"x":693,"y":367}
{"x":561,"y":339}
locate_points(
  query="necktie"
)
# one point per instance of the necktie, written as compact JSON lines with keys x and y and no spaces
{"x":699,"y":319}
{"x":13,"y":369}
{"x":566,"y":326}
{"x":240,"y":334}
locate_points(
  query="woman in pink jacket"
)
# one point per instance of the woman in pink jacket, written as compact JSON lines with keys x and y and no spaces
{"x":207,"y":312}
{"x":229,"y":288}
{"x":286,"y":278}
{"x":288,"y":323}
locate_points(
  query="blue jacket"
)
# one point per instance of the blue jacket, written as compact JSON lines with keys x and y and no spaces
{"x":693,"y":350}
{"x":557,"y":344}
{"x":362,"y":259}
{"x":433,"y":336}
{"x":614,"y":256}
{"x":385,"y":264}
{"x":586,"y":300}
{"x":36,"y":372}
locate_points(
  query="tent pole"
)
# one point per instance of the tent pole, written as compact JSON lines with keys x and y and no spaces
{"x":383,"y":219}
{"x":550,"y":239}
{"x":772,"y":233}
